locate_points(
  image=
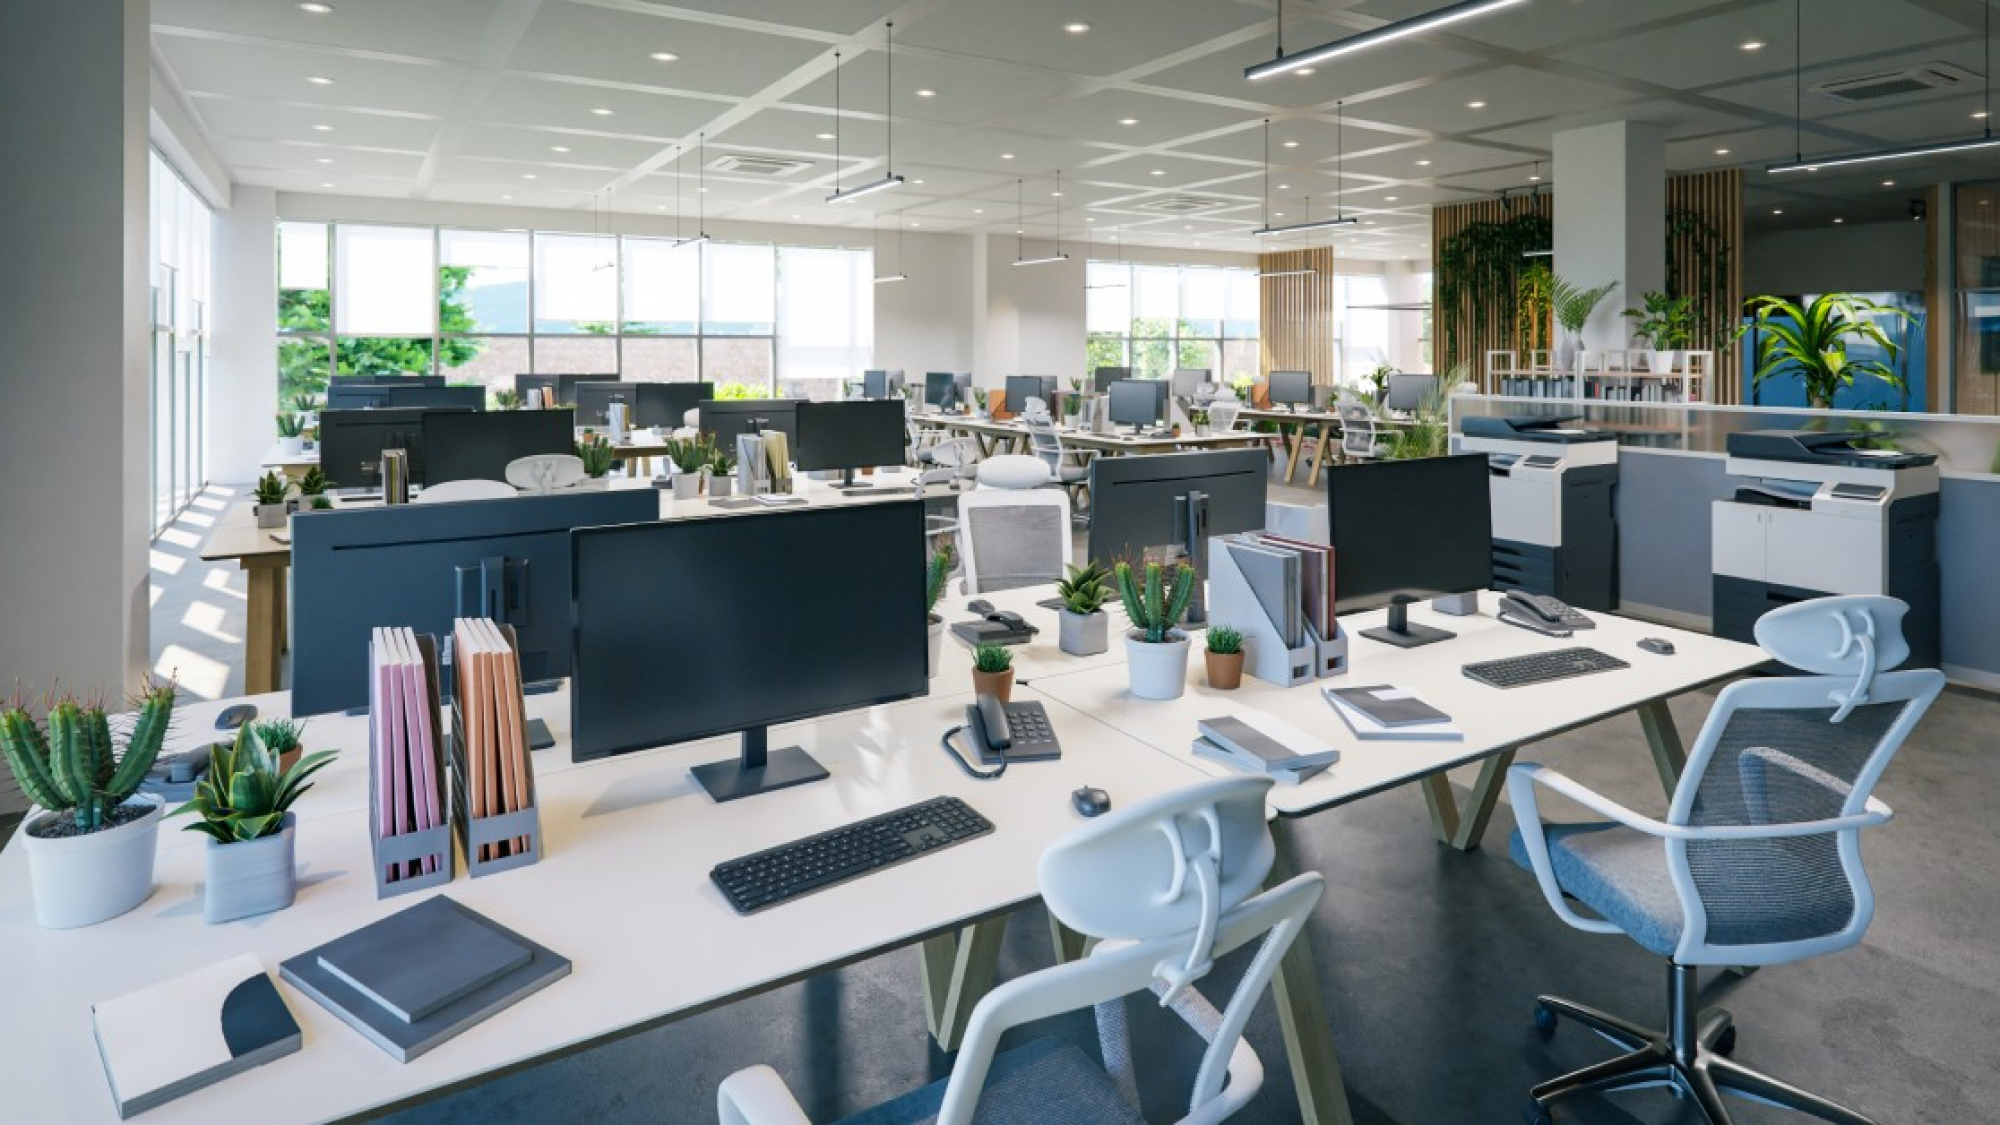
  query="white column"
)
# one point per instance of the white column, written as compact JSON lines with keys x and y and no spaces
{"x":1611,"y":219}
{"x":75,"y":486}
{"x":243,"y":343}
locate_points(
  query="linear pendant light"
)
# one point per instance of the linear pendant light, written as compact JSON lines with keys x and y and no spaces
{"x":899,"y":275}
{"x":700,"y":193}
{"x":1986,"y":139}
{"x":1310,"y":224}
{"x":1058,"y":256}
{"x":1453,"y":13}
{"x":889,"y":135}
{"x":1306,"y":272}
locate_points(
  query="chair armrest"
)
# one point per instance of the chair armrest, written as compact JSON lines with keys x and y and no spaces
{"x":757,"y":1096}
{"x":1521,"y":782}
{"x":1522,"y":779}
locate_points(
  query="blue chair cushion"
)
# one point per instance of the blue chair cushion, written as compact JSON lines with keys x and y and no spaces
{"x":1045,"y":1082}
{"x":1617,"y":872}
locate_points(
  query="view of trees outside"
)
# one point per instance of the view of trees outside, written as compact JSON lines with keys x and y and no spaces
{"x":1154,"y":319}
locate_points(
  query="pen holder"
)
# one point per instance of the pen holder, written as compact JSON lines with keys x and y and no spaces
{"x":426,"y":852}
{"x":484,"y":838}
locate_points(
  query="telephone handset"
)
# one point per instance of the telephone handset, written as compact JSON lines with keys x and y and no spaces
{"x":1004,"y":732}
{"x":1547,"y":609}
{"x":1542,"y":613}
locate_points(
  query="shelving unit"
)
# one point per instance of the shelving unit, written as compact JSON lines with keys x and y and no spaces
{"x":1602,"y":376}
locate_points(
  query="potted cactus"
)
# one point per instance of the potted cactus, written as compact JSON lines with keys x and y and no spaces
{"x":1085,"y":629}
{"x":244,"y":803}
{"x":270,"y":493}
{"x":90,"y":840}
{"x":312,"y":491}
{"x":993,"y":672}
{"x":721,"y":474}
{"x":937,"y":572}
{"x":1156,"y":650}
{"x":596,"y":455}
{"x":291,"y":434}
{"x":1224,"y":657}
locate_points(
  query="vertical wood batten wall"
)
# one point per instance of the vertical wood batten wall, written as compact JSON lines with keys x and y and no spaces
{"x":1714,"y":198}
{"x":1296,"y":329}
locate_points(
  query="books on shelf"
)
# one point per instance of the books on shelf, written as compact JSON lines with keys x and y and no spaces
{"x":1258,"y":742}
{"x":1384,"y":712}
{"x":175,"y":1037}
{"x":424,"y":975}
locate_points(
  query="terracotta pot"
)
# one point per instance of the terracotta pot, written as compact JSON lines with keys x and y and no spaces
{"x":1225,"y":670}
{"x":290,"y":758}
{"x":997,"y":684}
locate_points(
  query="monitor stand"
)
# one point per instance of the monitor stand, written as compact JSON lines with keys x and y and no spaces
{"x":847,"y":481}
{"x":1401,"y":633}
{"x":760,"y":770}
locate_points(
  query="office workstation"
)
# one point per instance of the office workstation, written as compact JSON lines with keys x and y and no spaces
{"x":1427,"y":522}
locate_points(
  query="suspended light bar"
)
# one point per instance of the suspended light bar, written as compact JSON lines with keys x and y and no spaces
{"x":1316,"y":224}
{"x":882,"y":184}
{"x":1814,"y":164}
{"x":1041,"y":261}
{"x":1415,"y":25}
{"x":1307,"y":272}
{"x":892,"y":277}
{"x":1538,"y":253}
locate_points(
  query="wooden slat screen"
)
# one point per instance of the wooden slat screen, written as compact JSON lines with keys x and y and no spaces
{"x":1473,"y":338}
{"x":1296,"y":329}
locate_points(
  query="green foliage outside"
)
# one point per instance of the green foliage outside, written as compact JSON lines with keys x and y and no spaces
{"x":742,"y":390}
{"x":303,"y":363}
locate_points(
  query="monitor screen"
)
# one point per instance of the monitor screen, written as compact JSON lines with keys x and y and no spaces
{"x":1102,"y":378}
{"x":1408,"y":530}
{"x":479,"y":445}
{"x":726,"y":418}
{"x":351,"y":444}
{"x":1132,"y":499}
{"x":666,"y":405}
{"x":1138,"y":402}
{"x":940,"y":389}
{"x":1291,"y":388}
{"x":1021,"y":388}
{"x":1407,"y":392}
{"x":562,"y":386}
{"x":881,"y":384}
{"x":388,"y":380}
{"x":850,"y":435}
{"x":762,"y":607}
{"x":593,"y":398}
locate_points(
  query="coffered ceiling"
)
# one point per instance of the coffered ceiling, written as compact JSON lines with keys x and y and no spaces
{"x":603,"y":103}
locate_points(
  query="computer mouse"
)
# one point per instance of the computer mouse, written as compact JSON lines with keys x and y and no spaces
{"x":1658,"y":646}
{"x":235,"y":716}
{"x":1091,"y":802}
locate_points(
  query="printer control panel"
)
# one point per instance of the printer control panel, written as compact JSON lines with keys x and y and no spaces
{"x":1541,"y":461}
{"x":1869,"y":492}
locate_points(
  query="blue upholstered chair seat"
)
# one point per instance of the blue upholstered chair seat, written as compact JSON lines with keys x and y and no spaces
{"x":1617,"y":872}
{"x":1045,"y":1082}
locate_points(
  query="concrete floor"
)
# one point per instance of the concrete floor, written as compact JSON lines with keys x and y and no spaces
{"x":1430,"y":959}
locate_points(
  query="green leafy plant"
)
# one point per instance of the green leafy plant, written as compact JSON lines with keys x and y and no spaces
{"x":314,"y":482}
{"x":244,"y":795}
{"x":992,"y":658}
{"x":69,"y":765}
{"x":1086,"y":588}
{"x":305,"y":404}
{"x":290,"y":425}
{"x":1665,"y":322}
{"x":280,"y":735}
{"x":937,"y":572}
{"x":507,"y":399}
{"x":1573,"y":304}
{"x":1811,"y":342}
{"x":721,"y":464}
{"x":742,"y":391}
{"x":322,"y":503}
{"x":1156,"y":604}
{"x":1378,"y":379}
{"x":1427,"y":432}
{"x":1198,"y":416}
{"x":596,"y":455}
{"x":979,"y":397}
{"x":1475,"y":271}
{"x":271,"y":489}
{"x":1224,"y":641}
{"x":691,"y":455}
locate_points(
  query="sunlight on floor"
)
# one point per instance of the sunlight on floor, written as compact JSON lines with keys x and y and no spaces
{"x":175,"y":537}
{"x":207,"y":618}
{"x":153,"y":595}
{"x":165,"y":563}
{"x":219,"y":582}
{"x":197,"y":675}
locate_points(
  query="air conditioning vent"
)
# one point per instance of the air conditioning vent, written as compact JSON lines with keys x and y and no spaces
{"x":1181,"y":205}
{"x":1898,"y":83}
{"x":769,"y":167}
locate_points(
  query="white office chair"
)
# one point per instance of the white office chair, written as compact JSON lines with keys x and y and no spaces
{"x":454,"y":490}
{"x":1167,"y":885}
{"x":1009,"y":538}
{"x":1758,"y":858}
{"x":544,"y":471}
{"x":1014,"y":471}
{"x":1360,"y":433}
{"x":1069,"y":468}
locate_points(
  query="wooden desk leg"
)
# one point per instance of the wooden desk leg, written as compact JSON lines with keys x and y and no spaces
{"x":1478,"y":808}
{"x":1663,"y":738}
{"x":1295,"y":440}
{"x":1319,"y":456}
{"x":264,"y":631}
{"x":1302,"y":1013}
{"x":958,"y":971}
{"x":284,"y":631}
{"x":1442,"y":805}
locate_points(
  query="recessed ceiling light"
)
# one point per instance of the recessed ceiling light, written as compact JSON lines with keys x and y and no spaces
{"x":317,"y":9}
{"x":558,"y":148}
{"x":795,"y":218}
{"x":916,"y":224}
{"x":659,"y":206}
{"x":1056,"y":194}
{"x":824,"y":136}
{"x":1159,"y":172}
{"x":1284,"y":187}
{"x":326,"y":185}
{"x":318,"y":81}
{"x":1722,"y":152}
{"x":916,"y":181}
{"x":1390,"y":198}
{"x":1423,"y":163}
{"x":322,"y":128}
{"x":1978,"y":115}
{"x":927,"y":93}
{"x":1777,"y":210}
{"x":1128,"y":121}
{"x":1088,"y":219}
{"x":602,"y":112}
{"x":1291,"y":144}
{"x":702,"y":190}
{"x":1840,"y":220}
{"x":527,"y":175}
{"x":323,"y":159}
{"x":1077,"y":28}
{"x":1753,"y":45}
{"x":1277,"y":214}
{"x":1305,"y":72}
{"x":1888,"y":183}
{"x":1475,"y":105}
{"x":979,"y":210}
{"x":1534,"y":177}
{"x":506,"y":198}
{"x":664,"y":56}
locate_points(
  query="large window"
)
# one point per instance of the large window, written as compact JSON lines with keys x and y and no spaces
{"x":1362,"y":324}
{"x":480,"y":306}
{"x":181,"y":232}
{"x":1154,"y":319}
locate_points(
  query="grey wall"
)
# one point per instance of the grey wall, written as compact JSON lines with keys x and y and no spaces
{"x":1969,"y":559}
{"x":1664,"y":528}
{"x":1852,"y":257}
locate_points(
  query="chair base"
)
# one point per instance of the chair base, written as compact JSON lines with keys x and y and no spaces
{"x":1691,"y":1057}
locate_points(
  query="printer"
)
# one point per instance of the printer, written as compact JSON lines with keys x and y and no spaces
{"x":1817,"y":513}
{"x":1554,"y":528}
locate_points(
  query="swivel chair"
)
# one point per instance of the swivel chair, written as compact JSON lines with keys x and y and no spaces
{"x":1758,"y":859}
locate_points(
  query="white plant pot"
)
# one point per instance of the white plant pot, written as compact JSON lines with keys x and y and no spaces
{"x":937,"y":642}
{"x":291,"y":446}
{"x":1084,"y":634}
{"x":1566,"y":356}
{"x":1660,"y":363}
{"x":272,"y":515}
{"x":1158,"y":671}
{"x":84,"y":880}
{"x":1201,"y":429}
{"x":250,"y":877}
{"x":687,"y":486}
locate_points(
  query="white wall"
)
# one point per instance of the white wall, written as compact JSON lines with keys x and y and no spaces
{"x":926,"y":323}
{"x":1852,"y":257}
{"x":243,"y":337}
{"x":1034,"y":316}
{"x":185,"y":144}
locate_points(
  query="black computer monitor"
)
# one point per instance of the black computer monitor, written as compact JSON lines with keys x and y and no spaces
{"x":1407,"y":393}
{"x":1406,"y":530}
{"x":1290,"y":388}
{"x":479,"y":445}
{"x":762,"y":606}
{"x":849,"y":436}
{"x":941,"y":390}
{"x":726,"y":418}
{"x":1021,"y":388}
{"x":1174,"y":499}
{"x":592,"y":399}
{"x":1138,"y":402}
{"x":646,"y":404}
{"x":881,"y":384}
{"x":563,"y":387}
{"x":1102,"y":378}
{"x":351,"y":444}
{"x":422,"y":566}
{"x":357,"y":395}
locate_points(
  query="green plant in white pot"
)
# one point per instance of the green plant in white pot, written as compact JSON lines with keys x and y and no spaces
{"x":1156,"y":650}
{"x":271,"y":493}
{"x":936,"y":573}
{"x":1573,"y":306}
{"x":91,"y":839}
{"x":1085,"y":629}
{"x":1666,"y":324}
{"x":244,"y":803}
{"x":291,"y":434}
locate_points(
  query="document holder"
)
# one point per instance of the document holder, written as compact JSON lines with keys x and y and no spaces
{"x":429,"y":849}
{"x":1232,"y":602}
{"x":520,"y":829}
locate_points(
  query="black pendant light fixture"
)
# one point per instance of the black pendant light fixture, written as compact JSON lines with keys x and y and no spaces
{"x":1308,"y":223}
{"x":889,"y":128}
{"x":1058,"y":256}
{"x":1430,"y":21}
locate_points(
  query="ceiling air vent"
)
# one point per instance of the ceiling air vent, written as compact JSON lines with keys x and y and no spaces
{"x":1897,"y":83}
{"x":1181,"y":205}
{"x":768,"y":167}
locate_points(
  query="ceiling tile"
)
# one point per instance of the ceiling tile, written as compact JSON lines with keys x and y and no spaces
{"x":615,"y":45}
{"x":255,"y":119}
{"x":1121,"y":36}
{"x":278,"y":74}
{"x":440,"y":29}
{"x":517,"y":100}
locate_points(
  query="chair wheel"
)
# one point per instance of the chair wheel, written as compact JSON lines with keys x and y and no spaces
{"x":1725,"y":1044}
{"x":1545,"y":1021}
{"x":1534,"y":1114}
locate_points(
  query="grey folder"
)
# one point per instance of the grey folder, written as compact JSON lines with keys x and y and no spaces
{"x":417,"y":961}
{"x":1274,"y":575}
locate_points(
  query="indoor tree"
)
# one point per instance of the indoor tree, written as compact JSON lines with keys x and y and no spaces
{"x":1811,"y":342}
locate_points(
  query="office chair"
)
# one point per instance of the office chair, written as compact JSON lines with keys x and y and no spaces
{"x":1360,"y":433}
{"x":1758,"y":860}
{"x":1009,"y":538}
{"x":1069,"y":468}
{"x":453,"y":490}
{"x":541,"y":472}
{"x":1167,"y":885}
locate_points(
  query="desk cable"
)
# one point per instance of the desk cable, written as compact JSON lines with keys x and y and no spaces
{"x":971,"y":772}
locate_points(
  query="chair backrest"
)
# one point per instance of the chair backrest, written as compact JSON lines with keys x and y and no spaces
{"x":1787,"y":751}
{"x":1044,"y":441}
{"x":541,"y":472}
{"x":1168,"y":884}
{"x":1357,"y":430}
{"x":1010,"y":538}
{"x":1014,"y":471}
{"x":465,"y":490}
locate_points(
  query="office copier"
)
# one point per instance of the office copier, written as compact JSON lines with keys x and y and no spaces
{"x":1819,"y":513}
{"x":1554,"y":529}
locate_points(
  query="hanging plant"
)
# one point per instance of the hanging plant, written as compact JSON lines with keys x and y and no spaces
{"x":1476,"y":271}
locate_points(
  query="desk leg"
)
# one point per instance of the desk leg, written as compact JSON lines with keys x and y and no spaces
{"x":958,"y":971}
{"x":1295,"y":440}
{"x":1319,"y":456}
{"x":1664,"y":739}
{"x":264,"y":632}
{"x":1302,"y":1014}
{"x":284,"y":631}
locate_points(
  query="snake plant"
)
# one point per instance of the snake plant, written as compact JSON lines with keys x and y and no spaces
{"x":69,"y":765}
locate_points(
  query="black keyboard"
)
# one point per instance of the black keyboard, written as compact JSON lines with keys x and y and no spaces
{"x":1541,"y":667}
{"x":814,"y":863}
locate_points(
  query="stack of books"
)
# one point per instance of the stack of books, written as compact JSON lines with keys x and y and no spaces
{"x":417,"y":978}
{"x":490,"y":726}
{"x":1256,"y":742}
{"x":1384,"y":712}
{"x":173,"y":1038}
{"x":406,"y":749}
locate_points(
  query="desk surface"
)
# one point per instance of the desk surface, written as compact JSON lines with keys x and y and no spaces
{"x":1111,"y":440}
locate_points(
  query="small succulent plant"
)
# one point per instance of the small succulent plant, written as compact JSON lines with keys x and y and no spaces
{"x":596,"y":455}
{"x":245,"y":795}
{"x":1086,"y":589}
{"x":290,"y":425}
{"x":314,"y":482}
{"x":271,"y":489}
{"x":1224,"y":641}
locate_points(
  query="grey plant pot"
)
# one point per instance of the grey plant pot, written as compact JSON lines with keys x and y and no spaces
{"x":687,"y":486}
{"x":272,"y":515}
{"x":250,"y":877}
{"x":721,"y":485}
{"x":1084,"y":634}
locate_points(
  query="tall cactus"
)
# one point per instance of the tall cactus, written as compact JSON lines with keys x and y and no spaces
{"x":1156,"y":604}
{"x":73,"y":765}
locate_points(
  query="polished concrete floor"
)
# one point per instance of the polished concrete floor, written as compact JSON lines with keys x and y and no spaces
{"x":1431,"y":961}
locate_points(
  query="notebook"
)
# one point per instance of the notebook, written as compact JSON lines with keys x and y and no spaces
{"x":1265,"y":742}
{"x":1388,"y":706}
{"x":175,"y":1037}
{"x":1203,"y":748}
{"x":1383,"y":696}
{"x":386,"y":962}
